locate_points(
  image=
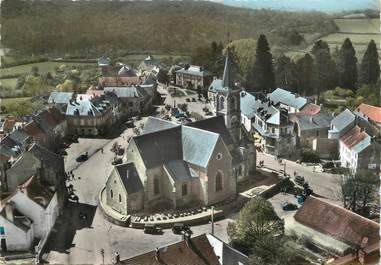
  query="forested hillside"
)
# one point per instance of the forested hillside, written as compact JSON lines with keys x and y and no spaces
{"x":90,"y":27}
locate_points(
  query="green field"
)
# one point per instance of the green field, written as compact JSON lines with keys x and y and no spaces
{"x":362,"y":39}
{"x":9,"y":82}
{"x":13,"y":101}
{"x":43,"y":67}
{"x":358,"y":25}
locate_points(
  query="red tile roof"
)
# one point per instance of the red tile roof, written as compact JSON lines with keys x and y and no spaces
{"x":353,"y":136}
{"x":309,"y":109}
{"x":372,"y":112}
{"x":94,"y":92}
{"x":33,"y":129}
{"x":195,"y":251}
{"x":9,"y":123}
{"x":338,"y":222}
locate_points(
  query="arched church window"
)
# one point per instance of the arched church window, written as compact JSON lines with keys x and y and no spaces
{"x":218,"y":181}
{"x":221,"y":103}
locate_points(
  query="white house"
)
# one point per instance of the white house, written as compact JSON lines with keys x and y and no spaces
{"x":248,"y":107}
{"x":31,"y":211}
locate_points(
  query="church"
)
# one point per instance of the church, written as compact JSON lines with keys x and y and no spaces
{"x":173,"y":166}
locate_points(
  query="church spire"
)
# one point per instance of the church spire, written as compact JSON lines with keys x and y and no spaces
{"x":227,"y":76}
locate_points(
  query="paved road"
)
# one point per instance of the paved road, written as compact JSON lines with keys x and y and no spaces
{"x":323,"y":184}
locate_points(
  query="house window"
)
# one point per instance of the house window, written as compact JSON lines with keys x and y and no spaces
{"x":111,"y":194}
{"x":120,"y":198}
{"x":156,"y":186}
{"x":260,"y":123}
{"x":273,"y":130}
{"x":184,"y":189}
{"x":219,"y":181}
{"x":219,"y":156}
{"x":2,"y":231}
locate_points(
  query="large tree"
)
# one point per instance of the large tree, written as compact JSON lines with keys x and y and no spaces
{"x":263,"y":71}
{"x":258,"y":232}
{"x":304,"y":71}
{"x":324,"y":68}
{"x":370,"y":67}
{"x":284,"y":73}
{"x":347,"y":65}
{"x":359,"y":191}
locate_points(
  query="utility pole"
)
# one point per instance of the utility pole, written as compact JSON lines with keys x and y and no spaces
{"x":103,"y":255}
{"x":212,"y":217}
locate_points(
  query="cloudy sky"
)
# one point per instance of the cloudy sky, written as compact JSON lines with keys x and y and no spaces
{"x":320,"y":5}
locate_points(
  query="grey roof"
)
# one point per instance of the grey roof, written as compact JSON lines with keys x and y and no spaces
{"x":362,"y":145}
{"x":198,"y":145}
{"x":267,"y":112}
{"x":124,"y":91}
{"x":82,"y":108}
{"x":196,"y":73}
{"x":9,"y":147}
{"x":130,"y":177}
{"x":47,"y":157}
{"x":216,"y":85}
{"x":57,"y":97}
{"x":19,"y":136}
{"x":227,"y":79}
{"x":178,"y":170}
{"x":287,"y":98}
{"x":214,"y":124}
{"x":154,"y":124}
{"x":226,"y":254}
{"x":103,"y":61}
{"x":126,"y":71}
{"x":342,"y":120}
{"x":248,"y":104}
{"x":157,"y":148}
{"x":318,"y":121}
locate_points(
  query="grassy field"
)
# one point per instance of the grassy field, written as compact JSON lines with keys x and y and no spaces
{"x":9,"y":82}
{"x":43,"y":67}
{"x":13,"y":101}
{"x":362,"y":39}
{"x":358,"y":25}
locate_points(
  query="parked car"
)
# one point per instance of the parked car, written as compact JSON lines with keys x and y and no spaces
{"x":177,"y":228}
{"x":117,"y":161}
{"x":299,"y":180}
{"x":300,"y":198}
{"x":82,"y":157}
{"x":152,"y":229}
{"x":287,"y":206}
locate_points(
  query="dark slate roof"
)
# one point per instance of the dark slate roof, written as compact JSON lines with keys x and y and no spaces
{"x":287,"y":98}
{"x":19,"y":136}
{"x":9,"y":147}
{"x":157,"y":148}
{"x":178,"y":170}
{"x":46,"y":156}
{"x":198,"y":145}
{"x":318,"y":121}
{"x":154,"y":124}
{"x":337,"y":222}
{"x":214,"y":124}
{"x":130,"y":177}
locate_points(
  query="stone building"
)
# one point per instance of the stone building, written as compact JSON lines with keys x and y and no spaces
{"x":193,"y":77}
{"x":173,"y":166}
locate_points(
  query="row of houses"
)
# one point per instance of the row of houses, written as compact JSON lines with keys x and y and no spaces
{"x":283,"y":124}
{"x":32,"y":178}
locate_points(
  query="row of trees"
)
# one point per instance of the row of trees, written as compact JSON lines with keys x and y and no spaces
{"x":306,"y":74}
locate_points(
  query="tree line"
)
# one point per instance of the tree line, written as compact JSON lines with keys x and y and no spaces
{"x":309,"y":74}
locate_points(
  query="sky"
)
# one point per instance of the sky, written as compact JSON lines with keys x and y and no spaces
{"x":318,"y":5}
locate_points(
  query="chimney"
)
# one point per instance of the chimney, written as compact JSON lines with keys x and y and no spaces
{"x":9,"y":212}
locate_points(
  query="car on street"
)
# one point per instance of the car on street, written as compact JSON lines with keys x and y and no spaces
{"x":178,"y":228}
{"x":299,"y":180}
{"x":117,"y":161}
{"x":287,"y":206}
{"x":152,"y":229}
{"x":82,"y":157}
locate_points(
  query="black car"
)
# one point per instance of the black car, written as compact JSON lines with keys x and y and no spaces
{"x":177,"y":228}
{"x":286,"y":206}
{"x":117,"y":161}
{"x":299,"y":180}
{"x":152,"y":229}
{"x":82,"y":157}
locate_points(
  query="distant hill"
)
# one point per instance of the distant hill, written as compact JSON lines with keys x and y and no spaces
{"x":66,"y":27}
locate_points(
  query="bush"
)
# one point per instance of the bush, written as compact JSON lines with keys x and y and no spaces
{"x":310,"y":157}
